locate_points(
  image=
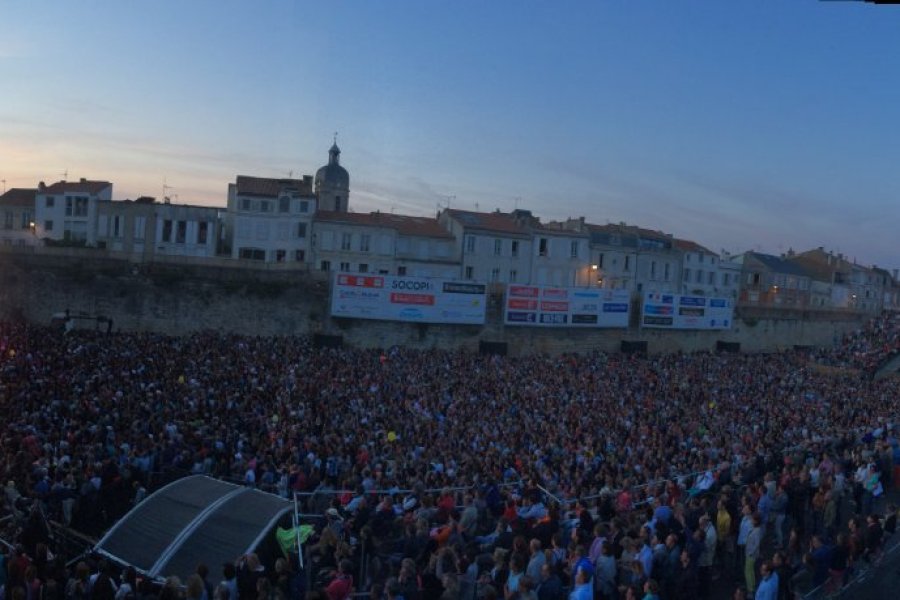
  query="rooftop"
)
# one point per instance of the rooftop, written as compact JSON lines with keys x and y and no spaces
{"x":23,"y":197}
{"x":272,"y":188}
{"x":403,"y":224}
{"x":82,"y":186}
{"x":498,"y":222}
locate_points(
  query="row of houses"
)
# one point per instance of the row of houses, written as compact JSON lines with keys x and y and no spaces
{"x":306,"y":224}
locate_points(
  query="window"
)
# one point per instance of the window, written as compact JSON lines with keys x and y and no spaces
{"x":202,"y":232}
{"x":300,"y":255}
{"x":700,"y":258}
{"x":167,"y":231}
{"x":116,"y":226}
{"x":711,"y":279}
{"x":337,"y":203}
{"x":495,"y":274}
{"x":284,"y":204}
{"x":513,"y":275}
{"x":345,"y":267}
{"x":70,"y":203}
{"x":687,"y":275}
{"x":345,"y":241}
{"x":245,"y":204}
{"x":76,"y":206}
{"x":687,"y":257}
{"x":364,"y":241}
{"x":50,"y":202}
{"x":666,"y":272}
{"x":515,"y":248}
{"x":627,"y":262}
{"x":48,"y":225}
{"x":280,"y":255}
{"x":304,"y":206}
{"x":26,"y":220}
{"x":470,"y":243}
{"x":265,"y":206}
{"x":252,"y":254}
{"x":301,"y":230}
{"x":181,"y":232}
{"x":573,"y":250}
{"x":699,"y":276}
{"x":498,"y":247}
{"x":470,"y":273}
{"x":363,"y":268}
{"x":600,"y":261}
{"x":542,"y":247}
{"x":140,"y":224}
{"x":652,"y":269}
{"x":8,"y":220}
{"x":725,"y":279}
{"x":325,"y":265}
{"x":401,"y":270}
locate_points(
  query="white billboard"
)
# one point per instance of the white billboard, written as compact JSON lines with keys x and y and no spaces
{"x":415,"y":299}
{"x":673,"y":311}
{"x":565,"y":307}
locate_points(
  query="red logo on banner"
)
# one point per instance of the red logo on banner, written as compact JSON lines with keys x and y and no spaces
{"x":555,"y":306}
{"x":523,"y":291}
{"x":423,"y":299}
{"x":360,"y":281}
{"x":523,"y":304}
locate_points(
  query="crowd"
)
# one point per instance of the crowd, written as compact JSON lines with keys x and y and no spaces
{"x":868,"y":348}
{"x":454,"y":475}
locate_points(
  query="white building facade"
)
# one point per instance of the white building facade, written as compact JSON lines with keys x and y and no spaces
{"x":270,"y":220}
{"x":67,"y":210}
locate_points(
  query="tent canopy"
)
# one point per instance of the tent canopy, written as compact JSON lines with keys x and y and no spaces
{"x":195,"y":519}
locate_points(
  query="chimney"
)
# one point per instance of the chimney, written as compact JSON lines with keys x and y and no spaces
{"x":83,"y":180}
{"x":42,"y":186}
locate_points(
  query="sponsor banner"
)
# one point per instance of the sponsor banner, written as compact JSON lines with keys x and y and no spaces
{"x":566,"y":307}
{"x":672,"y":311}
{"x":407,"y":299}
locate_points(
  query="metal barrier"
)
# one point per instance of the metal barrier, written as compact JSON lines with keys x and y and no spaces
{"x":862,"y":574}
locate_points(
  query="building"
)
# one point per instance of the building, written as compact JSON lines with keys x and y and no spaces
{"x":490,"y":246}
{"x":700,"y":272}
{"x":67,"y":210}
{"x":383,"y":243}
{"x":769,"y":280}
{"x":269,"y":220}
{"x":560,"y":256}
{"x":333,"y":183}
{"x":144,"y":229}
{"x":845,"y":284}
{"x":17,"y":226}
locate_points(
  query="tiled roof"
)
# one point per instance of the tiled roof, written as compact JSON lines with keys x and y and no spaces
{"x":691,"y":246}
{"x":403,"y":224}
{"x":84,"y":186}
{"x":779,"y":265}
{"x":269,"y":187}
{"x":18,"y":197}
{"x":495,"y":222}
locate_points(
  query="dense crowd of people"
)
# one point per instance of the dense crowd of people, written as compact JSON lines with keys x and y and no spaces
{"x":867,"y":348}
{"x":452,"y":475}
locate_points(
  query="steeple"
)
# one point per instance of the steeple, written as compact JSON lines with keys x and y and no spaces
{"x":334,"y":154}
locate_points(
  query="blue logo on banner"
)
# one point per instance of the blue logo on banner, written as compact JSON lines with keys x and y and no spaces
{"x":692,"y":301}
{"x":520,"y":317}
{"x":718,"y":302}
{"x":615,"y":307}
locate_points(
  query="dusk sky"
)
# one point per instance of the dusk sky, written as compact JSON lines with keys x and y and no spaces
{"x":740,"y":125}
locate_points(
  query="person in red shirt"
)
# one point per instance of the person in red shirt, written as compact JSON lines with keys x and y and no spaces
{"x":341,"y":586}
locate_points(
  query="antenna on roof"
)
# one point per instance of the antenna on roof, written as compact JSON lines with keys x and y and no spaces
{"x":65,"y":174}
{"x":166,"y":189}
{"x":291,"y":174}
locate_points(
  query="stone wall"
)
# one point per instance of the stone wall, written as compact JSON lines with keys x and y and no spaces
{"x":180,"y":298}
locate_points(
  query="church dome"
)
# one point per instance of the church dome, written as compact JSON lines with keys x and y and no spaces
{"x":333,"y":174}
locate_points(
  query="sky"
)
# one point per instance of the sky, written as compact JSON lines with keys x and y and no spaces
{"x":748,"y":124}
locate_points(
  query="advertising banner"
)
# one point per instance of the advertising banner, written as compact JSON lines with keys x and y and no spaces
{"x":673,"y":311}
{"x":415,"y":299}
{"x":565,"y":307}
